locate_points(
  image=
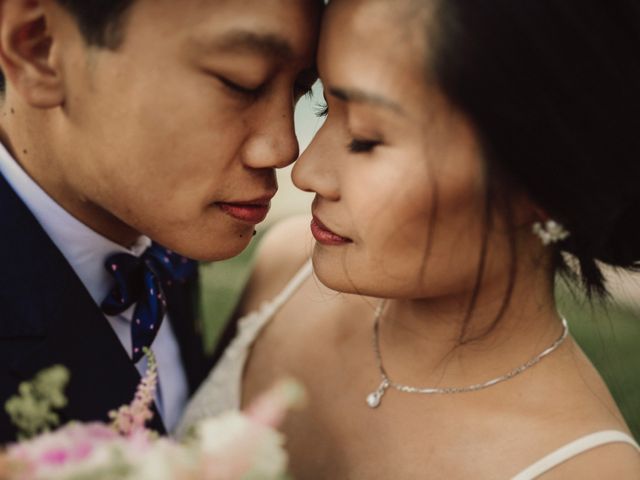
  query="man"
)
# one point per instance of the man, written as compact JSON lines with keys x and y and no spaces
{"x":124,"y":121}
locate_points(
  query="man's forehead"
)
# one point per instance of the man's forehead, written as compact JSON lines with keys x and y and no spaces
{"x":283,"y":29}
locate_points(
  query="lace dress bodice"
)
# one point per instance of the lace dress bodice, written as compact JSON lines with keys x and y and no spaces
{"x":221,"y":391}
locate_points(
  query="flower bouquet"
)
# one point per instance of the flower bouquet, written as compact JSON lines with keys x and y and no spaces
{"x":234,"y":445}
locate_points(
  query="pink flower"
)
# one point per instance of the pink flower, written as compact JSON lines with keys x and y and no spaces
{"x":76,"y":450}
{"x":132,"y":418}
{"x":69,"y":445}
{"x":271,"y":408}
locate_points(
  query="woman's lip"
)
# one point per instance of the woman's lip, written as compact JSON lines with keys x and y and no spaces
{"x":250,"y":213}
{"x":325,"y":236}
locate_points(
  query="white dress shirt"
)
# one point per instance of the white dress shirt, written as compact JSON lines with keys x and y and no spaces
{"x":86,"y":251}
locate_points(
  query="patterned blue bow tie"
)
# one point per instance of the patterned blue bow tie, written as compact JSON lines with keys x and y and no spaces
{"x":142,"y":281}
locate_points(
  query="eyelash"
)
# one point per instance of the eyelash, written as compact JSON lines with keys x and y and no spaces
{"x":356,"y":145}
{"x":321,"y":110}
{"x":234,"y":87}
{"x":299,"y":89}
{"x":363,"y":146}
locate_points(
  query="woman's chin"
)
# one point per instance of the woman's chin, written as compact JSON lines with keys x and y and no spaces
{"x":334,"y":273}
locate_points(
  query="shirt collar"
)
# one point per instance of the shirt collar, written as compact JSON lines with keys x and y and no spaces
{"x":84,"y":248}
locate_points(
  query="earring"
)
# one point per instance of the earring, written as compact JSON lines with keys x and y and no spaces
{"x":550,"y":232}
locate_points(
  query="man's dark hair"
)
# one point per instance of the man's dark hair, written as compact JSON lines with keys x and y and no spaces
{"x":101,"y":22}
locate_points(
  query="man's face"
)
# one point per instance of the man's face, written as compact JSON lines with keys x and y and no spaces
{"x":177,"y":132}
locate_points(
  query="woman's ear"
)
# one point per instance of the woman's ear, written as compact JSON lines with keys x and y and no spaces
{"x":526,"y":211}
{"x":26,"y":46}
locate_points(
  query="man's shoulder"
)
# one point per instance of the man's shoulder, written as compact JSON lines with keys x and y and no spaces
{"x":26,"y":255}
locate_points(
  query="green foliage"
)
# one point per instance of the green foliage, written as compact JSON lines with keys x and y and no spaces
{"x":609,"y":334}
{"x":221,"y":284}
{"x":32,"y":409}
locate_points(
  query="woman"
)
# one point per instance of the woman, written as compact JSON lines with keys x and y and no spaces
{"x":468,"y":146}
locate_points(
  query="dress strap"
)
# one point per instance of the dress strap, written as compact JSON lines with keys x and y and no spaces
{"x":573,"y":449}
{"x":294,"y":284}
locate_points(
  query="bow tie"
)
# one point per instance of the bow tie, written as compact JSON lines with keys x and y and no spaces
{"x":142,"y":281}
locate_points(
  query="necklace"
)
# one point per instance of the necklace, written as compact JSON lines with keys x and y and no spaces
{"x":375,"y":398}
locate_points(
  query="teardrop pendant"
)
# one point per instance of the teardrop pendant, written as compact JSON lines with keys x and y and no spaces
{"x":375,"y":398}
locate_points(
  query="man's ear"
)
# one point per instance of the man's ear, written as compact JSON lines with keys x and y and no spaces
{"x":25,"y":53}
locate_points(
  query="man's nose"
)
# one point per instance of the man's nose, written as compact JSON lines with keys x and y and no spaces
{"x":274,"y":143}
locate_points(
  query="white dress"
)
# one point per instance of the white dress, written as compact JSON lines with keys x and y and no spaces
{"x":221,"y":391}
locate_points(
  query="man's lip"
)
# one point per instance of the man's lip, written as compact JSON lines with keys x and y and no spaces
{"x":250,"y":211}
{"x":246,"y":212}
{"x":326,"y":236}
{"x":264,"y":200}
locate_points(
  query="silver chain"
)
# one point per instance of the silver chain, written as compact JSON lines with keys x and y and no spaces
{"x":375,"y":398}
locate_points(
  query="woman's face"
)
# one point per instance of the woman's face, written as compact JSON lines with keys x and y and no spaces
{"x":397,"y":171}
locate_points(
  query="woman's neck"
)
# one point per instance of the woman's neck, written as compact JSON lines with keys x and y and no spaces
{"x":421,"y":340}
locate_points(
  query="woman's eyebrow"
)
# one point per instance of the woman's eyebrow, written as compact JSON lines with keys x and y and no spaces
{"x":360,"y":96}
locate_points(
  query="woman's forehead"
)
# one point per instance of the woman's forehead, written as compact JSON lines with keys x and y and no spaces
{"x":362,"y":48}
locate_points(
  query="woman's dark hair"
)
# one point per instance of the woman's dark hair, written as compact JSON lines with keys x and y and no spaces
{"x":552,"y":88}
{"x":100,"y":22}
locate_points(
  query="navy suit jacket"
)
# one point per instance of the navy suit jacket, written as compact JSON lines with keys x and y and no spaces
{"x":47,"y":317}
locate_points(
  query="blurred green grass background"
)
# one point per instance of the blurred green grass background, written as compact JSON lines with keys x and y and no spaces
{"x":608,"y":333}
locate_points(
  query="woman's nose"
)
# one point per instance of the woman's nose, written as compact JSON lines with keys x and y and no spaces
{"x":314,"y":171}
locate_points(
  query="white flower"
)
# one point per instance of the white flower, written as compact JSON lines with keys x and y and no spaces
{"x":166,"y":460}
{"x":234,"y":446}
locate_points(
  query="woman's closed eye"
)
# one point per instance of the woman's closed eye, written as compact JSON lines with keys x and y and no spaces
{"x":321,"y":109}
{"x":356,"y":145}
{"x":363,"y":146}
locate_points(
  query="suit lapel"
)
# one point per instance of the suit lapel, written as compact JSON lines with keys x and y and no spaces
{"x":48,"y":304}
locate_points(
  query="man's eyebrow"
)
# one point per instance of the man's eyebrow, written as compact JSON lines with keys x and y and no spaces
{"x":246,"y":41}
{"x":360,"y":96}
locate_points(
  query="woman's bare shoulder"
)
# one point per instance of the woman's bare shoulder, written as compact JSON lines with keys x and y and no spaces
{"x":282,"y":252}
{"x":613,"y":460}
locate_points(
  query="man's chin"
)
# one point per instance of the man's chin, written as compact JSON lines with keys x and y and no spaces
{"x":212,"y":250}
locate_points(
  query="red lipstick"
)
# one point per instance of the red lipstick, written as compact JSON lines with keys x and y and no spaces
{"x":325,"y":236}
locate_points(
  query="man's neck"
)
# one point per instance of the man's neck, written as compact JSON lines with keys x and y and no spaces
{"x":38,"y":162}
